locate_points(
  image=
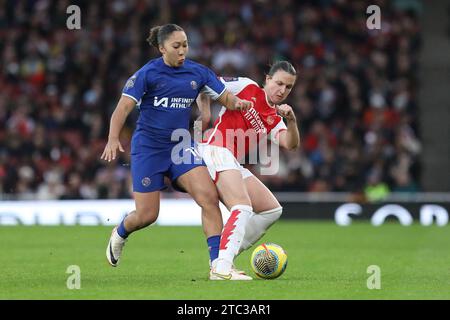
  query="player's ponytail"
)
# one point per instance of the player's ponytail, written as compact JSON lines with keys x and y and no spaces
{"x":153,"y":36}
{"x":159,"y":34}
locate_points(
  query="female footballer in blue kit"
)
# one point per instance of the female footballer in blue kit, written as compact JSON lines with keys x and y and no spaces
{"x":164,"y":90}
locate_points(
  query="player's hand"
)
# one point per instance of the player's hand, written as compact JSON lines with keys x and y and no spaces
{"x":286,"y":112}
{"x":110,"y":151}
{"x":243,"y":105}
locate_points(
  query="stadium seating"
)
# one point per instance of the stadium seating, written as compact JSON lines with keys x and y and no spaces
{"x":355,"y":97}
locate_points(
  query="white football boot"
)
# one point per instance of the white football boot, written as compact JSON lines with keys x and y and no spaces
{"x":231,"y":276}
{"x":115,"y":247}
{"x":233,"y":268}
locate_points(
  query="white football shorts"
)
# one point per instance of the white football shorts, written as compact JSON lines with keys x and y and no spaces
{"x":220,"y":159}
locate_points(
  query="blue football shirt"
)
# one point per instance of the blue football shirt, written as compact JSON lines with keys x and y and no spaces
{"x":164,"y":96}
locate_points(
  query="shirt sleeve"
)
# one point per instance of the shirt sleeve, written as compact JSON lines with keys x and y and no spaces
{"x":280,"y":126}
{"x":136,"y":86}
{"x":213,"y":87}
{"x":237,"y":85}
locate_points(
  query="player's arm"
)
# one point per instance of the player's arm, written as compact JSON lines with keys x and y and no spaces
{"x":120,"y":114}
{"x":290,"y":138}
{"x":230,"y":101}
{"x":204,"y":105}
{"x":217,"y":90}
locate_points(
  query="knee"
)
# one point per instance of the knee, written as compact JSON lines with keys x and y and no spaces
{"x":207,"y":198}
{"x":273,"y":214}
{"x":236,"y":196}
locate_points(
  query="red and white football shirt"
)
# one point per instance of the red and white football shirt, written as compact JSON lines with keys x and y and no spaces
{"x":261,"y":120}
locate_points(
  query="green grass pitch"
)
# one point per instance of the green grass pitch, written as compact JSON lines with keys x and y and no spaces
{"x":325,"y":262}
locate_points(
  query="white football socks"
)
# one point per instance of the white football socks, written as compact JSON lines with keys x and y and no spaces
{"x":258,"y":225}
{"x":232,"y":235}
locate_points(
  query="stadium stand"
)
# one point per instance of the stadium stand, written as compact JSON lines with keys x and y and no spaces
{"x":355,"y":97}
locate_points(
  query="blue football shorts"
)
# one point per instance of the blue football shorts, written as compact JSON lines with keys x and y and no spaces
{"x":150,"y":164}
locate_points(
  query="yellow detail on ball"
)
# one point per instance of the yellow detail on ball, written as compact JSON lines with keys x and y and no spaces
{"x":268,"y":261}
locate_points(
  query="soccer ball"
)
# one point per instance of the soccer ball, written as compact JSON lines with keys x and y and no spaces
{"x":269,"y":261}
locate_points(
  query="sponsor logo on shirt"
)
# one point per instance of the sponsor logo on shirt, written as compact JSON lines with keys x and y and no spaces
{"x":175,"y":103}
{"x":253,"y":117}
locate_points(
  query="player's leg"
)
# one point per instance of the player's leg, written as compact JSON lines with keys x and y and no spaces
{"x":233,"y":193}
{"x":147,"y":209}
{"x":199,"y":185}
{"x":221,"y":162}
{"x":193,"y":178}
{"x":267,"y":211}
{"x":147,"y":183}
{"x":147,"y":171}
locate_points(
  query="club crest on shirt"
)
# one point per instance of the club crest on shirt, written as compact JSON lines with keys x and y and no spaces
{"x":159,"y":85}
{"x":270,"y":120}
{"x":146,"y":181}
{"x":194,"y":85}
{"x":130,"y":82}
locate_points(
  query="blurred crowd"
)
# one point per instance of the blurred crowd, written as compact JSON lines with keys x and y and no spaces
{"x":355,"y":96}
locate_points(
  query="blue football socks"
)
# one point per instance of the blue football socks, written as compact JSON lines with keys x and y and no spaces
{"x":121,"y":230}
{"x":213,"y":246}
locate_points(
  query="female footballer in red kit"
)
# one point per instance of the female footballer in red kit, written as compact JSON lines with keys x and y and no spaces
{"x":252,"y":205}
